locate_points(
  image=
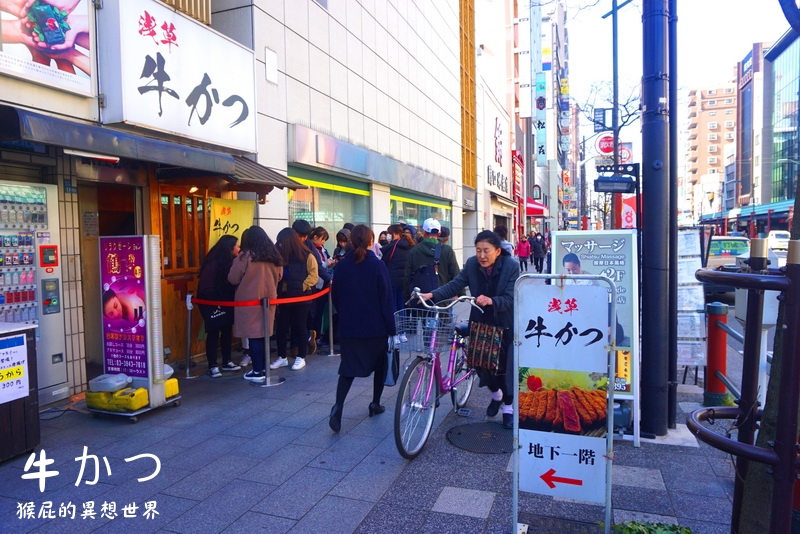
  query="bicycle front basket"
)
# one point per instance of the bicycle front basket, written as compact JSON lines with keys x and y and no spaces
{"x":427,"y":330}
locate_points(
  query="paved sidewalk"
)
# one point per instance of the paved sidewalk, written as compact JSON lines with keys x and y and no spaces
{"x":237,"y":458}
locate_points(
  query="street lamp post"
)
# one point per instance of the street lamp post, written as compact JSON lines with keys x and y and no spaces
{"x":616,"y":206}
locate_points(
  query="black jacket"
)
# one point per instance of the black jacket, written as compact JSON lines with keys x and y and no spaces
{"x":422,"y":254}
{"x":499,"y":286}
{"x":396,"y":260}
{"x":213,"y":285}
{"x":538,"y":247}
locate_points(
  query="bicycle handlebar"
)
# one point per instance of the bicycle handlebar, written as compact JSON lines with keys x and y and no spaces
{"x":415,"y":295}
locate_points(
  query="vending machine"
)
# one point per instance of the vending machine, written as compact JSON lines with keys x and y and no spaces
{"x":31,"y":290}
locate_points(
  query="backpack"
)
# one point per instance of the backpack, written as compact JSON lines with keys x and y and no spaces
{"x":426,"y":277}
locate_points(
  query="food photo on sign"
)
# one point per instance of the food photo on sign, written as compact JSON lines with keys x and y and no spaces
{"x":570,"y":402}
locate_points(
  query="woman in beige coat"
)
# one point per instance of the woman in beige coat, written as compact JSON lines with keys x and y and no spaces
{"x":257,"y":271}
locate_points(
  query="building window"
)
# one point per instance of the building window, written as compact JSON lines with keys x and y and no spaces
{"x":712,"y":137}
{"x":712,"y":113}
{"x":712,"y":148}
{"x":183,"y":230}
{"x":729,"y":101}
{"x":713,"y":125}
{"x":712,"y":91}
{"x":728,"y":124}
{"x":728,"y":89}
{"x":712,"y":102}
{"x":729,"y":135}
{"x":728,"y":112}
{"x":712,"y":160}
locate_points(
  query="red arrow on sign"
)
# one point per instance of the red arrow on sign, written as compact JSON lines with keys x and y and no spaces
{"x":551,"y":480}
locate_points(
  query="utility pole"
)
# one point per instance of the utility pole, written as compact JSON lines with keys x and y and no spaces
{"x":656,"y":250}
{"x":672,"y":370}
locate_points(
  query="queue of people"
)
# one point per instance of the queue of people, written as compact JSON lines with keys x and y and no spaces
{"x":383,"y":269}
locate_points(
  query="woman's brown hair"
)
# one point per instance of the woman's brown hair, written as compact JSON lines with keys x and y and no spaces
{"x":396,"y":229}
{"x":361,"y":237}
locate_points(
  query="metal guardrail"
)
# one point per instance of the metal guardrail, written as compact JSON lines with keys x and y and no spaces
{"x":781,"y":454}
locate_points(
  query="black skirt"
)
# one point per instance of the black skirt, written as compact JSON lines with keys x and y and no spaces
{"x":363,"y":356}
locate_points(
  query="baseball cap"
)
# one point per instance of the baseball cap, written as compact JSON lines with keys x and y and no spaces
{"x":445,"y":232}
{"x":431,"y":226}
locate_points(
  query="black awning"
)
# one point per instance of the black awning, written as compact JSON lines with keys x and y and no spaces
{"x":252,"y":176}
{"x":20,"y":124}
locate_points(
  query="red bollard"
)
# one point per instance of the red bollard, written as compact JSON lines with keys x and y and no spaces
{"x":715,"y":391}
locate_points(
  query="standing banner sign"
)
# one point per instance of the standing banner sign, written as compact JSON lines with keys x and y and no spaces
{"x":613,"y":254}
{"x":229,"y":217}
{"x":133,"y":340}
{"x":563,"y":336}
{"x":122,"y":272}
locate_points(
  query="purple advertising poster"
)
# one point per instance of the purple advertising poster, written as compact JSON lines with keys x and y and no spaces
{"x":122,"y":275}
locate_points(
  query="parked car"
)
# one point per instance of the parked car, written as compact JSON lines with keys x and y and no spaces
{"x":729,"y":252}
{"x":724,"y":249}
{"x":722,"y":252}
{"x":778,"y":239}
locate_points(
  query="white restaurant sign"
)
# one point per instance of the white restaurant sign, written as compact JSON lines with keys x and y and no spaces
{"x":562,"y":332}
{"x":162,"y":70}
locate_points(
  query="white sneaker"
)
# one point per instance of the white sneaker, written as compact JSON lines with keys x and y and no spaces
{"x":403,"y":338}
{"x":246,"y":360}
{"x":298,"y":364}
{"x":280,"y":362}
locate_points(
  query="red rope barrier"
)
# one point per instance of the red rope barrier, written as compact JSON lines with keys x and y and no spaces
{"x":293,"y":300}
{"x":226,"y":303}
{"x":290,"y":300}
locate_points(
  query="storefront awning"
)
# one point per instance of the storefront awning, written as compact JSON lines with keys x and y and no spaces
{"x":503,"y":201}
{"x":536,"y":209}
{"x":178,"y":162}
{"x":20,"y":124}
{"x":251,"y":176}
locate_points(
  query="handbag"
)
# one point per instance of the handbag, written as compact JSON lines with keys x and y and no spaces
{"x":485,"y":347}
{"x":217,"y":316}
{"x":393,"y":364}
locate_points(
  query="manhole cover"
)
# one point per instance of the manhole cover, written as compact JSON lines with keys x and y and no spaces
{"x":483,"y":438}
{"x":538,"y":524}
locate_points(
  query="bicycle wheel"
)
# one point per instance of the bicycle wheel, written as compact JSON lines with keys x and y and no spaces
{"x":415,"y":409}
{"x":460,"y":393}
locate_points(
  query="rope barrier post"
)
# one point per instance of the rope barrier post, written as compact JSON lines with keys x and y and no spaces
{"x":189,"y":308}
{"x":330,"y":324}
{"x":268,"y":380}
{"x":715,"y":391}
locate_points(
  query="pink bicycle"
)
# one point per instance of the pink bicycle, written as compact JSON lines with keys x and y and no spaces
{"x":430,"y":330}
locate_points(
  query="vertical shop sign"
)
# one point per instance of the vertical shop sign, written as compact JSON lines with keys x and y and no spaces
{"x":540,"y":122}
{"x":124,"y":305}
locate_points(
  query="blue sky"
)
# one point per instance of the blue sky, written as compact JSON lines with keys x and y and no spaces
{"x":712,"y":36}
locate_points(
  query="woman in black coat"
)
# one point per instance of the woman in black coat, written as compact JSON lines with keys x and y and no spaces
{"x":218,"y":320}
{"x":395,"y":256}
{"x":361,"y":292}
{"x":490,"y":276}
